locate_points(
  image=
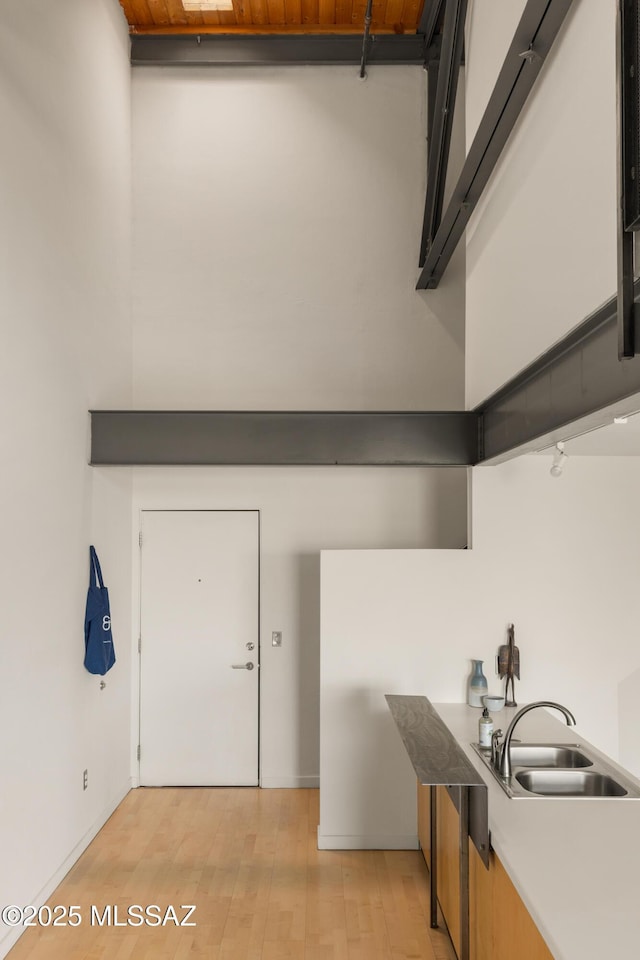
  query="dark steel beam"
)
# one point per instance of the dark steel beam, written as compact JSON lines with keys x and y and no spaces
{"x":429,"y":19}
{"x":539,"y":26}
{"x":629,"y":105}
{"x":268,"y":49}
{"x":133,"y":437}
{"x":628,"y":171}
{"x":433,"y":68}
{"x":627,"y":308}
{"x":440,"y":134}
{"x":576,"y":386}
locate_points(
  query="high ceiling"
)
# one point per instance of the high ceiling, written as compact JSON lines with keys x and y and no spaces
{"x":275,"y":16}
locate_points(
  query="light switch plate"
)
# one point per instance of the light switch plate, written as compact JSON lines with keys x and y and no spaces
{"x":276,"y":638}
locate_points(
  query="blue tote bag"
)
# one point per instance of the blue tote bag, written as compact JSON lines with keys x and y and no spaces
{"x":99,"y":655}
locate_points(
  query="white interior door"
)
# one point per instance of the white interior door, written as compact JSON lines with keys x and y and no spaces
{"x":199,"y":632}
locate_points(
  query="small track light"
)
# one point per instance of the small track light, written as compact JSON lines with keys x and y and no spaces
{"x":559,"y":458}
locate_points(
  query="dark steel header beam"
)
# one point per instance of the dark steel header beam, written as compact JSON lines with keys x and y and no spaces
{"x":533,"y":39}
{"x":125,"y":437}
{"x":274,"y":49}
{"x":576,"y":386}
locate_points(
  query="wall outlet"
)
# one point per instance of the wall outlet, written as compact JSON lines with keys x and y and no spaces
{"x":85,"y":779}
{"x":276,"y":638}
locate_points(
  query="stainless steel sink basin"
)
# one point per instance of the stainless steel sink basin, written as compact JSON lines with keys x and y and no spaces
{"x":570,"y":783}
{"x":547,"y":755}
{"x":556,"y":770}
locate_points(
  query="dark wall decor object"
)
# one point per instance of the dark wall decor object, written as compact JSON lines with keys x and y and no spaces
{"x":509,"y":666}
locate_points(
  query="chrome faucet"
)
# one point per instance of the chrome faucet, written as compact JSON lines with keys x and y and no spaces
{"x":495,"y":748}
{"x":503,"y":754}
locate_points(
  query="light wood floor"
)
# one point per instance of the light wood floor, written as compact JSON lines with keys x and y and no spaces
{"x":247,"y":858}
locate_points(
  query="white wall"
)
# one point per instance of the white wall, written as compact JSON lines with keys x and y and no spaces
{"x":558,"y":558}
{"x":65,"y":321}
{"x":278,"y":215}
{"x":304,"y":510}
{"x":541,"y":246}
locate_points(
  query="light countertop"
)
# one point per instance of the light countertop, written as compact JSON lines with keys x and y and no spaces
{"x":574,"y":862}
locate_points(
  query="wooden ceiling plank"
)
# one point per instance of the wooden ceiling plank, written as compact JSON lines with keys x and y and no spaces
{"x":242,"y":9}
{"x":387,"y":15}
{"x":177,"y":13}
{"x":137,"y":12}
{"x":310,"y":12}
{"x":378,"y":13}
{"x":276,"y":11}
{"x":262,"y":29}
{"x":411,"y":13}
{"x":358,"y":11}
{"x":293,"y":11}
{"x":228,"y":18}
{"x":326,"y":11}
{"x":159,"y":12}
{"x":344,"y":11}
{"x":259,"y":12}
{"x":393,"y":15}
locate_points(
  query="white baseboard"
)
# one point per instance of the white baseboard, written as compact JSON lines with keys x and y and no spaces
{"x":272,"y":783}
{"x":367,"y":842}
{"x":269,"y":783}
{"x":40,"y":898}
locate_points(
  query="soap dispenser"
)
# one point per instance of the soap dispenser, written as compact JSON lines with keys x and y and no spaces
{"x":485,"y":729}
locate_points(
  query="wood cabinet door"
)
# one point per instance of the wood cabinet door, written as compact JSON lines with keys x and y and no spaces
{"x":501,"y":927}
{"x":448,"y":833}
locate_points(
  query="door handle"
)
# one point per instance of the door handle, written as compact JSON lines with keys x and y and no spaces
{"x":242,"y":666}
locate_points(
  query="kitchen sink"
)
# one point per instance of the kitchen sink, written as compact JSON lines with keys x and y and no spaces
{"x":570,"y":783}
{"x":547,"y":755}
{"x":556,"y":770}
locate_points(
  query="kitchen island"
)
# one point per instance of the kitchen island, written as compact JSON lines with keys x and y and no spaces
{"x":574,"y":862}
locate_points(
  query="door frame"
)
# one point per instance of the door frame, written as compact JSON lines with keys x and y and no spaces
{"x":136,"y":650}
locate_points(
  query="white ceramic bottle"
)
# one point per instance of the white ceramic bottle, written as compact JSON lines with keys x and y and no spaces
{"x":477,"y":685}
